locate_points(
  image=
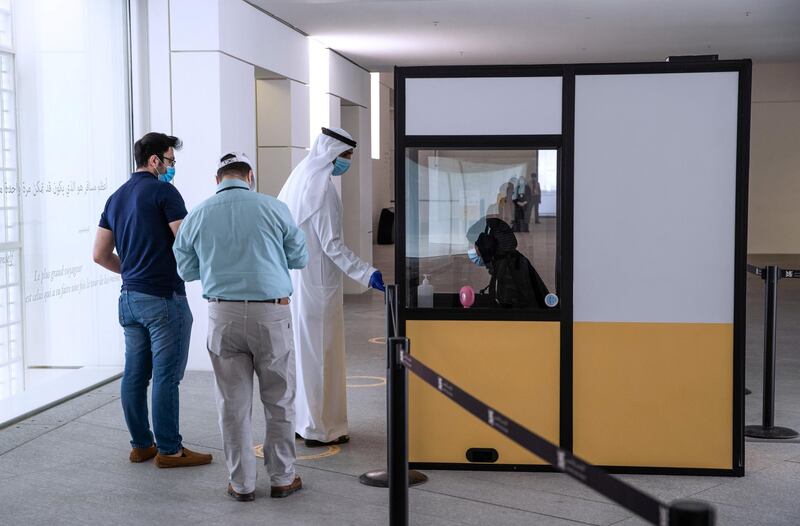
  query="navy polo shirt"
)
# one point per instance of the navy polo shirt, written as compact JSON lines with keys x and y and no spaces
{"x":139,"y":214}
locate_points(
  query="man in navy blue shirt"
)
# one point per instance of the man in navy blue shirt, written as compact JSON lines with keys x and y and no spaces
{"x":141,"y":220}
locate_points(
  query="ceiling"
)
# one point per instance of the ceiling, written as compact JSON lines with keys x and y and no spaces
{"x":379,"y":34}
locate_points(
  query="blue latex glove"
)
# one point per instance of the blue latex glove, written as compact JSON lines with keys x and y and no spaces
{"x":376,"y":281}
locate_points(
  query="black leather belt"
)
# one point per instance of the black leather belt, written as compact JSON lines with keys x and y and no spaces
{"x":279,"y":301}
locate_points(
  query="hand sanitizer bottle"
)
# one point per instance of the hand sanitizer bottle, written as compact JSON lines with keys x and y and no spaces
{"x":425,"y":293}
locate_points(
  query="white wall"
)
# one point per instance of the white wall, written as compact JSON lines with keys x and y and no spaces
{"x":349,"y":81}
{"x":774,"y":214}
{"x":383,"y":168}
{"x":140,"y":70}
{"x":203,"y":62}
{"x":283,"y":134}
{"x":348,"y":103}
{"x":203,"y":58}
{"x":215,"y":47}
{"x":356,"y":187}
{"x":160,"y":74}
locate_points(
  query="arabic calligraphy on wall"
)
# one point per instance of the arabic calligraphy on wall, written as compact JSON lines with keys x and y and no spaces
{"x":59,"y":188}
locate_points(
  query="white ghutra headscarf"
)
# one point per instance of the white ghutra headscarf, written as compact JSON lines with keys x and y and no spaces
{"x":304,"y":191}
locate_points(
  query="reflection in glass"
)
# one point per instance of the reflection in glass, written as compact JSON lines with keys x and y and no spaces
{"x":484,"y":219}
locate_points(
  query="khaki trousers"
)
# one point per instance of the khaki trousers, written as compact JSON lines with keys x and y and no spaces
{"x":243,"y":338}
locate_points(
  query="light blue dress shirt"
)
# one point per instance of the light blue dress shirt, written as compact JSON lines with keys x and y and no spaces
{"x":240,"y":245}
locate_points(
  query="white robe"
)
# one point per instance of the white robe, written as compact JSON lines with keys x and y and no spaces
{"x":318,"y":313}
{"x":317,"y":302}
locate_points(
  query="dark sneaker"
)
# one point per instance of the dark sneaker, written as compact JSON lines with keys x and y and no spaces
{"x":142,"y":454}
{"x":279,"y":492}
{"x":241,"y":497}
{"x":187,"y":458}
{"x":344,"y":439}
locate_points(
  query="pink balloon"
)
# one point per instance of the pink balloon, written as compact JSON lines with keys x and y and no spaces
{"x":467,"y":296}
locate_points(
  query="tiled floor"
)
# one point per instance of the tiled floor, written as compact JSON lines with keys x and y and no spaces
{"x":69,"y":465}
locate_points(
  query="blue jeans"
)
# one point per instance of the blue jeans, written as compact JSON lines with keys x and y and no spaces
{"x":157,"y":332}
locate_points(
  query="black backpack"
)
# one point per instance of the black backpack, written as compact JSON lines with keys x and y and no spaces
{"x":515,"y":283}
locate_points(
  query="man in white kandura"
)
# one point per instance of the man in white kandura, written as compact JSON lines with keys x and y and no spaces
{"x":317,"y":308}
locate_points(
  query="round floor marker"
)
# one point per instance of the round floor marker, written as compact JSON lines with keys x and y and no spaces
{"x":329,"y":452}
{"x":377,"y":381}
{"x":380,"y":340}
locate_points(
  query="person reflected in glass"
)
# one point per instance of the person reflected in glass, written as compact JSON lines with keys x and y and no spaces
{"x":506,"y":203}
{"x":514,"y":282}
{"x":496,"y":209}
{"x":536,"y":200}
{"x":522,"y":202}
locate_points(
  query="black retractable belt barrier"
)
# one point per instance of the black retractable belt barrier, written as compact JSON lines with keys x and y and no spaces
{"x":679,"y":513}
{"x":771,"y":274}
{"x":379,"y":478}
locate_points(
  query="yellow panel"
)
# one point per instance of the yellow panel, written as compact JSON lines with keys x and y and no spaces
{"x":512,"y":366}
{"x":654,"y":394}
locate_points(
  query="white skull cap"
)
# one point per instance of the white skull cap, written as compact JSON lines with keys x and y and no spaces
{"x":237,"y":157}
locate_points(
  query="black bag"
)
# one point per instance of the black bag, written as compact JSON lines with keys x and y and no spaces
{"x":386,"y":227}
{"x":515,"y":283}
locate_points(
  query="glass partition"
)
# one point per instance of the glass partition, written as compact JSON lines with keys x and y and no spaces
{"x":484,"y":219}
{"x":65,"y":140}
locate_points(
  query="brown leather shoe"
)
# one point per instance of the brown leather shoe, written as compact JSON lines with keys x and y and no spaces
{"x":187,"y":458}
{"x":241,"y":497}
{"x":142,"y":454}
{"x":278,"y":492}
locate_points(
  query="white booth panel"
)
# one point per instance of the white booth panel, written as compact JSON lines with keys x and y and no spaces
{"x":655,"y":192}
{"x":483,"y":106}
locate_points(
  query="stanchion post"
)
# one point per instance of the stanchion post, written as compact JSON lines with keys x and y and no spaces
{"x":379,"y":478}
{"x":770,"y":338}
{"x":398,"y":433}
{"x":691,"y":513}
{"x":767,"y":428}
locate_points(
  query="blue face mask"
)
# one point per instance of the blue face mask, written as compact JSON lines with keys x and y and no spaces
{"x":475,"y":257}
{"x":340,"y":165}
{"x":169,"y":176}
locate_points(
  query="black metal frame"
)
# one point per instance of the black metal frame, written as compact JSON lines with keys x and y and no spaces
{"x":565,"y":216}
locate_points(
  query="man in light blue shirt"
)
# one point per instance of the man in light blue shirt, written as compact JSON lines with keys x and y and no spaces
{"x":241,"y":244}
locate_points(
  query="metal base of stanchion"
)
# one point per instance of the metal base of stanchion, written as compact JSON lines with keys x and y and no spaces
{"x":691,"y":513}
{"x":770,"y":432}
{"x":380,"y":478}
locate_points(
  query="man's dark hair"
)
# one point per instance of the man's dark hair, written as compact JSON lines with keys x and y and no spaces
{"x":238,"y":169}
{"x":154,"y":143}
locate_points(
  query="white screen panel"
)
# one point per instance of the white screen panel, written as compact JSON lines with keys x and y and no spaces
{"x":655,"y":178}
{"x":483,"y":106}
